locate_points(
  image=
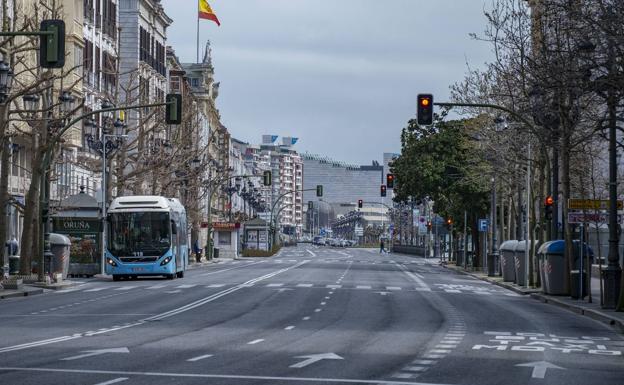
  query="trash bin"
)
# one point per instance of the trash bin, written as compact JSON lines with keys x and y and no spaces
{"x":60,"y":247}
{"x":508,"y":263}
{"x":14,"y":264}
{"x":551,"y":267}
{"x":520,"y":263}
{"x":215,"y":254}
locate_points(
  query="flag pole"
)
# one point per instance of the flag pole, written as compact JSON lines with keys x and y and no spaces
{"x":197,"y":36}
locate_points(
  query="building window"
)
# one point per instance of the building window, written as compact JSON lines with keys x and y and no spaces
{"x":195,"y":82}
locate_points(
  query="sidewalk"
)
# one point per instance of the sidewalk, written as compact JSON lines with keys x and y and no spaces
{"x":583,"y":307}
{"x":24,"y":291}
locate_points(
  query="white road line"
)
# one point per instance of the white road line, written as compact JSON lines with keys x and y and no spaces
{"x":289,"y":327}
{"x":482,"y":292}
{"x":363,"y":287}
{"x":214,"y":285}
{"x":305,"y":318}
{"x":173,"y":291}
{"x":446,"y":346}
{"x":185,"y":286}
{"x":393,"y":288}
{"x":333,"y":286}
{"x":255,"y":341}
{"x":156,"y":287}
{"x":436,"y":356}
{"x":96,"y":289}
{"x":217,"y":376}
{"x":323,"y":303}
{"x":311,"y":252}
{"x":125,"y":288}
{"x":199,"y":358}
{"x":440,"y":351}
{"x":275,"y":285}
{"x":326,"y":297}
{"x":415,"y":278}
{"x":424,"y":362}
{"x":305,"y":285}
{"x":452,"y":291}
{"x":416,"y":368}
{"x":402,"y":375}
{"x":423,"y":289}
{"x":116,"y":380}
{"x":231,"y":268}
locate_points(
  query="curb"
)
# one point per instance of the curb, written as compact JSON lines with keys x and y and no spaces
{"x":597,"y":315}
{"x":24,"y":293}
{"x":497,"y":283}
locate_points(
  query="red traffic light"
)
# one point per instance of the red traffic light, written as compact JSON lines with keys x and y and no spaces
{"x":360,"y":203}
{"x":449,"y":221}
{"x":549,"y":201}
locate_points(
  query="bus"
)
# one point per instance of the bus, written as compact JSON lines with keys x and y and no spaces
{"x":147,"y":236}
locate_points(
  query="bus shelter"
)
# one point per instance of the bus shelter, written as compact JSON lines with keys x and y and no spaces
{"x":255,"y":235}
{"x":226,"y":239}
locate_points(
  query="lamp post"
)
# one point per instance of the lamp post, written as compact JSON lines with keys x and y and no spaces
{"x":104,"y":144}
{"x":6,"y":80}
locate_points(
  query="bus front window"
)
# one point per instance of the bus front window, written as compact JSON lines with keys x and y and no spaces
{"x":144,"y":233}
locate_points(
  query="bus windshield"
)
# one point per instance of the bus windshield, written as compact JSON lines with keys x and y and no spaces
{"x":144,"y":233}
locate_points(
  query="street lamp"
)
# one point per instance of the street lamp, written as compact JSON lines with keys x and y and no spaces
{"x":67,"y":102}
{"x":104,"y":144}
{"x":6,"y":80}
{"x":31,"y":102}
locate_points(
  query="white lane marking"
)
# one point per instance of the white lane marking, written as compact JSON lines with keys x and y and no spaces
{"x":323,"y":303}
{"x":317,"y":310}
{"x":156,"y":287}
{"x":326,"y":297}
{"x":275,"y":285}
{"x":403,"y":375}
{"x":116,"y":380}
{"x":217,"y":376}
{"x":305,"y":285}
{"x":255,"y":341}
{"x":199,"y":358}
{"x":435,"y":356}
{"x":311,"y":252}
{"x":214,"y":285}
{"x":440,"y":351}
{"x":306,"y":318}
{"x":173,"y":291}
{"x":482,"y":292}
{"x":393,"y":288}
{"x":416,"y":368}
{"x":291,"y":327}
{"x":446,"y":346}
{"x":185,"y":286}
{"x":416,"y":279}
{"x":99,"y":352}
{"x":125,"y":288}
{"x":452,"y":291}
{"x":539,"y":368}
{"x":231,"y":268}
{"x":333,"y":286}
{"x":96,"y":289}
{"x":363,"y":287}
{"x":157,"y":317}
{"x":423,"y":289}
{"x":424,"y":362}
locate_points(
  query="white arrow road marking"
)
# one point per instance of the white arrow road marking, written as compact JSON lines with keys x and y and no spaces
{"x":116,"y":380}
{"x":90,"y":353}
{"x":540,"y":367}
{"x":315,"y":358}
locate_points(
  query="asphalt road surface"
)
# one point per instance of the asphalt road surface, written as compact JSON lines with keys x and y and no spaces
{"x":310,"y":315}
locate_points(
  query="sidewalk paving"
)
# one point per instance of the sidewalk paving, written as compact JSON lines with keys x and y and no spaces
{"x":25,"y":291}
{"x":583,"y":307}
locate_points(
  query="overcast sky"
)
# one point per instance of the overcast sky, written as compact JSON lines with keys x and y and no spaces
{"x":341,"y":75}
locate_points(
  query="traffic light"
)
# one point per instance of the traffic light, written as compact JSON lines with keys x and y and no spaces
{"x":548,"y":207}
{"x":383,"y":190}
{"x":267,"y":179}
{"x":390,"y":180}
{"x":310,"y":205}
{"x":360,"y":203}
{"x":429,"y":225}
{"x":319,"y":190}
{"x":52,"y":46}
{"x":425,"y":109}
{"x":173,"y":109}
{"x":449,"y":223}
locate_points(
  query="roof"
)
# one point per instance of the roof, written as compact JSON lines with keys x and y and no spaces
{"x":79,"y":201}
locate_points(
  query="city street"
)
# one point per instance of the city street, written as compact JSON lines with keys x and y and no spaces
{"x":310,"y":315}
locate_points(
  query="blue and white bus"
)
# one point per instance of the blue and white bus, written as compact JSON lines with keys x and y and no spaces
{"x":147,"y":236}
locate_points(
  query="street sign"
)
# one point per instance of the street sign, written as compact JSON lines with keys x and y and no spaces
{"x":483,"y":225}
{"x":591,"y":218}
{"x":592,"y":204}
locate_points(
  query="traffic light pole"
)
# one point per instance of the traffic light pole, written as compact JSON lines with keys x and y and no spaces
{"x":279,"y":198}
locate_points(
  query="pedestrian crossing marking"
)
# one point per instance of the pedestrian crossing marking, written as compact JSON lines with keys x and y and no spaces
{"x":305,"y":285}
{"x":185,"y":286}
{"x":395,"y":288}
{"x":125,"y":288}
{"x":275,"y":285}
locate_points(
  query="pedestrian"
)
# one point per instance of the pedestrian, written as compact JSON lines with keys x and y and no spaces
{"x":197,"y":251}
{"x":381,"y":246}
{"x":12,"y":246}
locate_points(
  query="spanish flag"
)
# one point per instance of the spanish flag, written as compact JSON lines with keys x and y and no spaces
{"x":205,"y":12}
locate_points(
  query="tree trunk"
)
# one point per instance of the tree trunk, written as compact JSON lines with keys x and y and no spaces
{"x":567,"y":230}
{"x":31,"y":214}
{"x":5,"y":170}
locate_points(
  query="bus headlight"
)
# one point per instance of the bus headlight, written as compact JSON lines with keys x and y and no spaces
{"x":111,"y":262}
{"x":165,"y":261}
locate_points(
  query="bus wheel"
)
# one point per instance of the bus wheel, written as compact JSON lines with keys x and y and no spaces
{"x":116,"y":277}
{"x":180,"y":274}
{"x":171,"y":276}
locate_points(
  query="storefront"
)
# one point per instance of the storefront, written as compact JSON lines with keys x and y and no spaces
{"x":226,"y":239}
